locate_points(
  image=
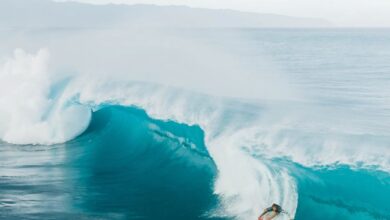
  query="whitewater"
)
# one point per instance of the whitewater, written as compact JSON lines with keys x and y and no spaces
{"x":196,"y":129}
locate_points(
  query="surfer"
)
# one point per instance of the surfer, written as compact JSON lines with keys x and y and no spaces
{"x":273,"y":211}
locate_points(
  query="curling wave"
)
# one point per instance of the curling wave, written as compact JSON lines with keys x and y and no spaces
{"x":228,"y":150}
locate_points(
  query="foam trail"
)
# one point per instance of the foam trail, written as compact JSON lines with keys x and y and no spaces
{"x":246,"y":183}
{"x":28,"y":114}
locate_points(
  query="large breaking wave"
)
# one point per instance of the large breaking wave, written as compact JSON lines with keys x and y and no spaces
{"x":235,"y":148}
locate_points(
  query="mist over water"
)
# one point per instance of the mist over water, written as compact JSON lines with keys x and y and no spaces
{"x":243,"y":117}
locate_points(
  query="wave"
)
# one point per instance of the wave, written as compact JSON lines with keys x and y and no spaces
{"x":166,"y":103}
{"x":240,"y":143}
{"x":162,"y":169}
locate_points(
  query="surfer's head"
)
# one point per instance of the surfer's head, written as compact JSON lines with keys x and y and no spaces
{"x":275,"y":207}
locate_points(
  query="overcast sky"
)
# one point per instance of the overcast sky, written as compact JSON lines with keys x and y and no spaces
{"x":341,"y":12}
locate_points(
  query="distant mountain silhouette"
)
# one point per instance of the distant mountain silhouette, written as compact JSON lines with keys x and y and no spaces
{"x":49,"y":14}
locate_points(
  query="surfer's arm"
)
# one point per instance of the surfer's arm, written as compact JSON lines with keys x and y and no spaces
{"x":264,"y":212}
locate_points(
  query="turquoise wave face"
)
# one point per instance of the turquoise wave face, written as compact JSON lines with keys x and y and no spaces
{"x":342,"y":193}
{"x":143,"y":168}
{"x":125,"y":166}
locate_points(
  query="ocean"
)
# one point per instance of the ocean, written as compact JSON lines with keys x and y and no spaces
{"x":194,"y":123}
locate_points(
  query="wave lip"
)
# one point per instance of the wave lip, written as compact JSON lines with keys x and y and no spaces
{"x":28,"y":114}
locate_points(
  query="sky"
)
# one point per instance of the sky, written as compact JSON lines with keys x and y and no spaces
{"x":374,"y":13}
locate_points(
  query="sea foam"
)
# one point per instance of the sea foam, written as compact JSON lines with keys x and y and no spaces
{"x":28,"y":115}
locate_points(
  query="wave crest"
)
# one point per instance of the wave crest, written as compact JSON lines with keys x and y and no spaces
{"x":29,"y":113}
